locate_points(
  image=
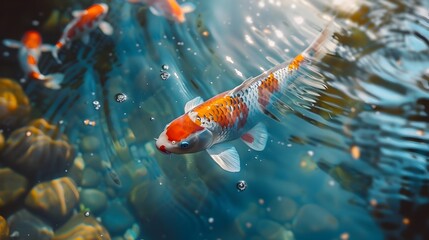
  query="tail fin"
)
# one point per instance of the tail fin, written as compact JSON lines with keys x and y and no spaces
{"x":53,"y":81}
{"x":323,"y":43}
{"x":54,"y":52}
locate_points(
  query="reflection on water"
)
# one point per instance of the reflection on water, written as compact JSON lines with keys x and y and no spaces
{"x":348,"y":160}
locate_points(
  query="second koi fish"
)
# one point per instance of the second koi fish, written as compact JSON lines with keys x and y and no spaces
{"x":233,"y":114}
{"x":168,"y":8}
{"x":30,"y":49}
{"x":84,"y":22}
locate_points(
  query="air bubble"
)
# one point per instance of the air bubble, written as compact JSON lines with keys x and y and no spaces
{"x":152,"y":118}
{"x":241,"y":185}
{"x":120,"y":97}
{"x":165,"y":75}
{"x":96,"y":104}
{"x":86,"y":213}
{"x":165,"y":67}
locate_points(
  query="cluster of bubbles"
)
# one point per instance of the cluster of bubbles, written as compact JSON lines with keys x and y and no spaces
{"x":120,"y":97}
{"x":96,"y":104}
{"x":164,"y":74}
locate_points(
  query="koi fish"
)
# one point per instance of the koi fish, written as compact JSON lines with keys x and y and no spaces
{"x":84,"y":22}
{"x":30,"y":48}
{"x":233,"y":114}
{"x":169,"y":9}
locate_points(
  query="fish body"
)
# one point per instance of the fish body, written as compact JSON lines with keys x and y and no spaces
{"x":82,"y":25}
{"x":30,"y":49}
{"x":233,"y":114}
{"x":169,"y":9}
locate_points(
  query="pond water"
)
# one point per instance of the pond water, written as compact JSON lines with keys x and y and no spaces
{"x":348,"y":158}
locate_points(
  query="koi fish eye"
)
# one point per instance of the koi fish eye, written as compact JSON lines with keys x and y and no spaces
{"x":184,"y":145}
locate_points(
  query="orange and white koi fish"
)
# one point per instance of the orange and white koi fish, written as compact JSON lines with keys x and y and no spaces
{"x":169,"y":9}
{"x":233,"y":114}
{"x":30,"y":49}
{"x":84,"y":22}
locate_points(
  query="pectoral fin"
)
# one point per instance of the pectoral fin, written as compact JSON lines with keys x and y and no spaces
{"x":193,"y":103}
{"x":155,"y":11}
{"x":77,"y":13}
{"x":226,"y":156}
{"x":106,"y":28}
{"x":256,"y":138}
{"x":187,"y":7}
{"x":12,"y":43}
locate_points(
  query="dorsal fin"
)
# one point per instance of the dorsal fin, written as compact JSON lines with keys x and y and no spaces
{"x":193,"y":103}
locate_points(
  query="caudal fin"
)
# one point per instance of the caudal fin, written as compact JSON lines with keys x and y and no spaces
{"x":54,"y":52}
{"x":53,"y":81}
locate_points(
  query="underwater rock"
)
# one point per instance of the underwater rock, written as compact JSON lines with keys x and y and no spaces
{"x":14,"y":104}
{"x":117,"y":219}
{"x":93,"y":199}
{"x":12,"y":186}
{"x":283,"y":209}
{"x":90,"y":178}
{"x":153,"y":202}
{"x":76,"y":171}
{"x":312,"y":218}
{"x":4,"y":228}
{"x":38,"y":151}
{"x":55,"y":199}
{"x":90,"y":144}
{"x":25,"y":225}
{"x":1,"y":141}
{"x":81,"y":227}
{"x":271,"y":230}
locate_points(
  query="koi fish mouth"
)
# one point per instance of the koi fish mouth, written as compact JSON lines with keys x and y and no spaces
{"x":162,"y":149}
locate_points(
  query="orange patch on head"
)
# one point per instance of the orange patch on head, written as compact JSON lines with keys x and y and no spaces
{"x":296,"y":62}
{"x":225,"y":110}
{"x":266,"y":89}
{"x":32,"y":39}
{"x":181,"y":128}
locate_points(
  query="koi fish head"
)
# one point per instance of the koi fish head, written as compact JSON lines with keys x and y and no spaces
{"x":32,"y":39}
{"x":183,"y":135}
{"x":99,"y":9}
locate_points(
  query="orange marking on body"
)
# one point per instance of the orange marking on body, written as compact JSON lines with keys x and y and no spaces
{"x":266,"y":89}
{"x":296,"y":62}
{"x":32,"y":39}
{"x":59,"y":45}
{"x":181,"y":128}
{"x":35,"y":75}
{"x":87,"y":18}
{"x":175,"y":7}
{"x":31,"y":60}
{"x":225,"y":110}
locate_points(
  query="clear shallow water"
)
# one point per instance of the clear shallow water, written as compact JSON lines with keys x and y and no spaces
{"x":348,"y":161}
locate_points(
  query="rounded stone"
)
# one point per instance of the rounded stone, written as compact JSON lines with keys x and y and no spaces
{"x":90,"y":144}
{"x":117,"y":219}
{"x":93,"y":199}
{"x":312,"y":218}
{"x":90,"y":178}
{"x":38,"y":151}
{"x":55,"y":199}
{"x":28,"y":226}
{"x":14,"y":104}
{"x":1,"y":141}
{"x":269,"y":229}
{"x":282,"y":209}
{"x":12,"y":186}
{"x":81,"y":227}
{"x":4,"y":228}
